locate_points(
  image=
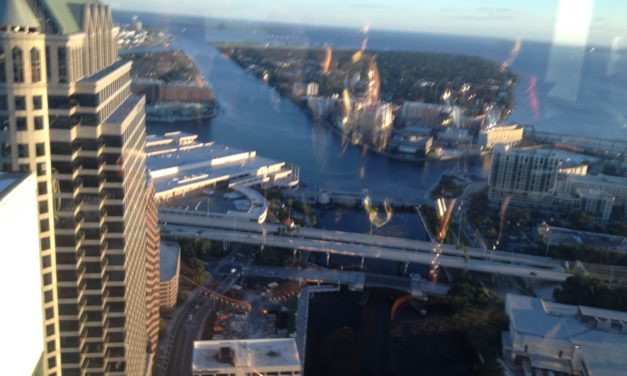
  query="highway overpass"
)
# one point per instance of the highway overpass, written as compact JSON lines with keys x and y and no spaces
{"x":362,"y":246}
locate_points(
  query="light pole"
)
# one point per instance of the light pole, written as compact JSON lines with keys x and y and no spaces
{"x":547,"y":229}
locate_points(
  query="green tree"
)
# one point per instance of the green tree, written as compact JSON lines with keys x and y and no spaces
{"x":580,"y":290}
{"x":199,"y":272}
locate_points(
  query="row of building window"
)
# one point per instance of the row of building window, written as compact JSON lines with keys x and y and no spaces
{"x":22,"y":150}
{"x":18,"y":65}
{"x":20,"y":103}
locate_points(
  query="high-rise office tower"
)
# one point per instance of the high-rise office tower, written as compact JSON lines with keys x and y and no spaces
{"x":67,"y":114}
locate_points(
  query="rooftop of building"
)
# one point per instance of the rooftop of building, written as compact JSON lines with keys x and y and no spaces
{"x":594,"y":194}
{"x":9,"y":180}
{"x":171,"y":138}
{"x":502,"y":127}
{"x":599,"y":179}
{"x":104,"y":72}
{"x":169,"y":254}
{"x":535,"y":316}
{"x":570,"y":158}
{"x":123,"y":110}
{"x":53,"y":16}
{"x":415,"y":129}
{"x":245,"y":353}
{"x":17,"y":13}
{"x":502,"y":149}
{"x":429,"y":106}
{"x":185,"y":156}
{"x":183,"y":160}
{"x":454,"y":132}
{"x":603,"y":350}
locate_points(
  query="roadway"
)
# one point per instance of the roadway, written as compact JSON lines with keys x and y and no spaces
{"x":195,"y":219}
{"x":486,"y":263}
{"x":185,"y":331}
{"x":415,"y":284}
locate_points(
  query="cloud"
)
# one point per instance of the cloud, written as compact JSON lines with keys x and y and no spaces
{"x":483,"y":13}
{"x":369,"y":5}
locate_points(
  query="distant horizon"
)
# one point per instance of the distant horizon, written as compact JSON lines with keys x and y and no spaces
{"x":354,"y":28}
{"x":564,"y":22}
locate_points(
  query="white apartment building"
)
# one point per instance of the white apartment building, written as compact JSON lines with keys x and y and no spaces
{"x":536,"y":179}
{"x":526,"y":177}
{"x":614,"y":186}
{"x":426,"y":114}
{"x":22,"y":340}
{"x":244,"y":357}
{"x":67,"y":114}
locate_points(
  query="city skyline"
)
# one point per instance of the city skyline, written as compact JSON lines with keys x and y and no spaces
{"x":533,"y":20}
{"x":189,"y":196}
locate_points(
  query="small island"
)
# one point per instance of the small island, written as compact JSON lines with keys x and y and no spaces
{"x":406,"y":105}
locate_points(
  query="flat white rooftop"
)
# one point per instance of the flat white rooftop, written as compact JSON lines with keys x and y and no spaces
{"x":8,"y":180}
{"x":600,"y":179}
{"x":169,"y":254}
{"x":176,"y":162}
{"x":599,"y":335}
{"x":246,"y":355}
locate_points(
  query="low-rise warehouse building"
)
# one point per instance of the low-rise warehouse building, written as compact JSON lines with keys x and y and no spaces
{"x":277,"y":356}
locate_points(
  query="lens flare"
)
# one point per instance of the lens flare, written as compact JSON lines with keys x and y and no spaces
{"x":502,"y":216}
{"x":326,"y":63}
{"x":512,"y":55}
{"x":364,"y":41}
{"x":446,"y":97}
{"x":373,"y":213}
{"x":444,"y":215}
{"x":533,"y":97}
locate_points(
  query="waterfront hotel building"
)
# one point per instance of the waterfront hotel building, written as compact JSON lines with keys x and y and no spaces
{"x":68,"y":115}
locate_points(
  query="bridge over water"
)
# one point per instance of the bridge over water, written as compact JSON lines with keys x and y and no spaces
{"x":362,"y":246}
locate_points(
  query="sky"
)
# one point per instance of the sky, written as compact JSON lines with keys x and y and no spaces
{"x":525,"y":19}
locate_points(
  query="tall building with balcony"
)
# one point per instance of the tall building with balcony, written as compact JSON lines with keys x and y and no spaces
{"x":68,"y":115}
{"x":523,"y":177}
